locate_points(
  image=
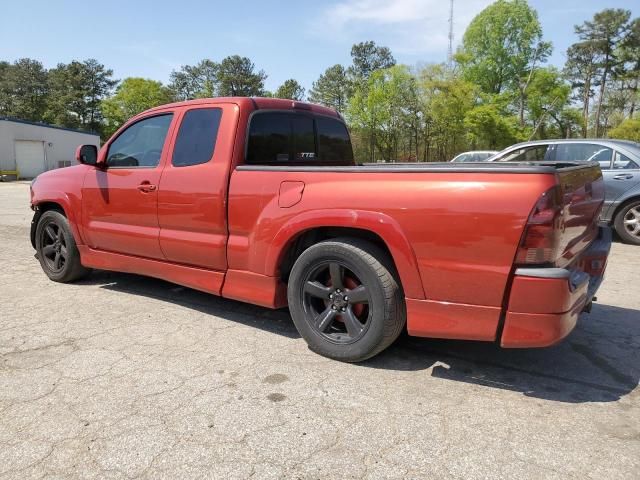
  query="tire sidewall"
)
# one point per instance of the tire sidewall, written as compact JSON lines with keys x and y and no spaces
{"x":620,"y":228}
{"x":53,"y":217}
{"x":374,"y":333}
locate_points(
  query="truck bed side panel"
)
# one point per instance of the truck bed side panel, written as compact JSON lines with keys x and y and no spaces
{"x":464,"y":228}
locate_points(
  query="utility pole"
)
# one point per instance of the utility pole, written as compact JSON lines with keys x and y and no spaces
{"x":450,"y":52}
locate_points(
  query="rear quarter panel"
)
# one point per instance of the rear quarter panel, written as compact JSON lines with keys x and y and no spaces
{"x":453,"y":236}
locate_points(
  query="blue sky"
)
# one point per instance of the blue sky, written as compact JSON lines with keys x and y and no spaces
{"x":288,"y":39}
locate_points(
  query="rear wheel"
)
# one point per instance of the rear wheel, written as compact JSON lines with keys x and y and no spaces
{"x":57,"y":250}
{"x":627,"y":223}
{"x":345,"y":300}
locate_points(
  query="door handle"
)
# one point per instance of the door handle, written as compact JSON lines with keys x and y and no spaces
{"x":623,"y":176}
{"x":146,"y":187}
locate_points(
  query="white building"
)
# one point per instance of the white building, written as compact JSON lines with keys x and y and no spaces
{"x":28,"y":148}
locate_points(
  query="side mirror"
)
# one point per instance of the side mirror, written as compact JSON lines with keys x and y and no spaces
{"x":87,"y":155}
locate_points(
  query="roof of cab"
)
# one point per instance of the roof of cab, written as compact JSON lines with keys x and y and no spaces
{"x":254,"y":103}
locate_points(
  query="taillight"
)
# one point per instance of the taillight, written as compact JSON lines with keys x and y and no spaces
{"x":540,"y":242}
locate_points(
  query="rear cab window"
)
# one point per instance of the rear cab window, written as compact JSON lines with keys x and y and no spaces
{"x":291,"y":138}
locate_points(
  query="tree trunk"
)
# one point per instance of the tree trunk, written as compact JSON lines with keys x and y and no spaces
{"x":585,"y":107}
{"x":521,"y":108}
{"x":601,"y":96}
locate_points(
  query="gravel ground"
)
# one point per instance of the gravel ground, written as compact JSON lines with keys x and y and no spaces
{"x":121,"y":376}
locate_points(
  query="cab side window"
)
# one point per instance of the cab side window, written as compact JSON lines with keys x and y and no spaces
{"x":140,"y":145}
{"x":196,"y":139}
{"x":584,"y":152}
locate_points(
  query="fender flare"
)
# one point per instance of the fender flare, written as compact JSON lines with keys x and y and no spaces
{"x":381,"y":224}
{"x":62,"y":199}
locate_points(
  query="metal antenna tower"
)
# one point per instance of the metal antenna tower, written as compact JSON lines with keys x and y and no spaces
{"x":450,"y":52}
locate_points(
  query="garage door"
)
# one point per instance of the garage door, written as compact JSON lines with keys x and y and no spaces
{"x":29,"y":158}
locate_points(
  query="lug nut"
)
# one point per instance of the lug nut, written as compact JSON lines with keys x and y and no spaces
{"x":333,"y":307}
{"x":344,"y":309}
{"x":346,"y":299}
{"x":331,"y":295}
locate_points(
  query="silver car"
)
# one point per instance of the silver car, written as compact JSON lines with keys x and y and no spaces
{"x":620,"y":163}
{"x":474,"y":156}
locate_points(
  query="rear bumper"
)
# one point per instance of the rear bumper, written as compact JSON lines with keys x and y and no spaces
{"x":544,"y":303}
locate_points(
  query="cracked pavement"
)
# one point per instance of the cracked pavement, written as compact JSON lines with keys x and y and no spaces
{"x":121,"y":377}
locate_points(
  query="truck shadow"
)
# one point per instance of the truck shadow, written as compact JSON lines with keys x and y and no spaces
{"x":598,"y":362}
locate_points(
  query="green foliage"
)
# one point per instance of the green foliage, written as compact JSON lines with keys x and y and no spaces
{"x":368,"y":57}
{"x":133,"y":95}
{"x":501,"y":46}
{"x":601,"y":37}
{"x":332,"y":89}
{"x":76,"y":91}
{"x":194,"y":81}
{"x":23,"y":89}
{"x":627,"y":130}
{"x":382,"y":109}
{"x":290,"y":89}
{"x":236,"y":76}
{"x":488,"y":128}
{"x":446,"y":99}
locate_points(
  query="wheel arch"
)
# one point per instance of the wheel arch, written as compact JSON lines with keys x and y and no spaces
{"x":309,"y":228}
{"x":622,"y":205}
{"x":60,"y":204}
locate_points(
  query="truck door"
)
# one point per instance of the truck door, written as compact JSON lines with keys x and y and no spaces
{"x":192,"y":195}
{"x":120,"y":200}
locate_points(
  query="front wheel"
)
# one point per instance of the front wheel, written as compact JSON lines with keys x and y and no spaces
{"x":627,"y":223}
{"x":345,"y":300}
{"x":57,"y":250}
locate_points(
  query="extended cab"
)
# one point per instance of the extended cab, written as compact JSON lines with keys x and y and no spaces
{"x":259,"y":200}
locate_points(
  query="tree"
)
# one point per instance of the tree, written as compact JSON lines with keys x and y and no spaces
{"x":548,"y":97}
{"x":23,"y":89}
{"x":381,"y":109}
{"x":627,"y":130}
{"x":487,"y":128}
{"x":501,"y":48}
{"x":132,"y":96}
{"x":236,"y":76}
{"x":332,"y":88}
{"x":581,"y":69}
{"x":194,"y":81}
{"x":628,"y":69}
{"x":290,"y":89}
{"x":367,"y":57}
{"x":603,"y":34}
{"x":446,"y":99}
{"x":76,"y":94}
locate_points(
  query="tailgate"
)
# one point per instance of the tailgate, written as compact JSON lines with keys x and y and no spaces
{"x":582,"y":193}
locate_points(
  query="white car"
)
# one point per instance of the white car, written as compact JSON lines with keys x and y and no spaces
{"x":475,"y":156}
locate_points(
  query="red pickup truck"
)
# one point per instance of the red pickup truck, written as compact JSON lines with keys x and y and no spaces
{"x":260,"y":200}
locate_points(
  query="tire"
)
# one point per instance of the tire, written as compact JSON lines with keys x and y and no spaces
{"x":320,"y":284}
{"x":627,"y":223}
{"x":57,"y":250}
